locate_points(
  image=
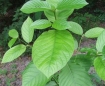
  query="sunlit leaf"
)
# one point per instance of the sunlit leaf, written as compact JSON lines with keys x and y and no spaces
{"x":41,"y":24}
{"x":35,"y":6}
{"x":61,"y":24}
{"x":71,"y":4}
{"x":11,"y":42}
{"x":75,"y":28}
{"x":33,"y":77}
{"x":13,"y":33}
{"x":52,"y":50}
{"x":94,"y":32}
{"x":27,"y":31}
{"x":63,"y":14}
{"x":50,"y":15}
{"x":74,"y":75}
{"x":99,"y":64}
{"x":100,"y":43}
{"x":53,"y":2}
{"x":13,"y":53}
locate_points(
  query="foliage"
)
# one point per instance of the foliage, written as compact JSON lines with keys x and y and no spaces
{"x":4,"y":4}
{"x":53,"y":63}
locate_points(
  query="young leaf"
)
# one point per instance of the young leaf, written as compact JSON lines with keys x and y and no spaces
{"x":13,"y":53}
{"x":35,"y":6}
{"x":75,"y":28}
{"x":52,"y":50}
{"x":41,"y":24}
{"x":27,"y":31}
{"x":71,"y":4}
{"x":94,"y":32}
{"x":99,"y":65}
{"x":63,"y":14}
{"x":61,"y":24}
{"x":74,"y":75}
{"x":11,"y":42}
{"x":50,"y":15}
{"x":100,"y":43}
{"x":33,"y":77}
{"x":13,"y":33}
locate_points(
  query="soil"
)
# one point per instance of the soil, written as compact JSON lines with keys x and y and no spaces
{"x":12,"y":76}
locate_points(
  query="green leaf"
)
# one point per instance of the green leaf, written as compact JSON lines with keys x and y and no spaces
{"x":83,"y":60}
{"x":96,"y":78}
{"x":35,"y":6}
{"x":27,"y":31}
{"x":75,"y":28}
{"x":13,"y":53}
{"x":51,"y":83}
{"x":74,"y":75}
{"x":53,"y":2}
{"x":103,"y":51}
{"x":41,"y":24}
{"x":61,"y":24}
{"x":11,"y":42}
{"x":38,"y":15}
{"x":94,"y":32}
{"x":50,"y":15}
{"x":52,"y":50}
{"x":63,"y":14}
{"x":100,"y":43}
{"x":33,"y":77}
{"x":99,"y":64}
{"x":13,"y":33}
{"x":71,"y":4}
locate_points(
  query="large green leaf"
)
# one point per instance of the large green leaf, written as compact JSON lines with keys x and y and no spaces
{"x":71,"y":4}
{"x":63,"y":14}
{"x":100,"y":41}
{"x":94,"y":32}
{"x":41,"y":24}
{"x":52,"y":50}
{"x":74,"y":75}
{"x":13,"y":33}
{"x":75,"y":28}
{"x":61,"y":24}
{"x":35,"y":6}
{"x":13,"y":53}
{"x":33,"y":77}
{"x":27,"y":31}
{"x":50,"y":15}
{"x":11,"y":42}
{"x":99,"y":64}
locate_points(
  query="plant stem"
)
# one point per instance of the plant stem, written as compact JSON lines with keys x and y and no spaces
{"x":80,"y":42}
{"x":55,"y":80}
{"x":22,"y":41}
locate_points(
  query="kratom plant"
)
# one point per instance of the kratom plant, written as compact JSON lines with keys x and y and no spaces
{"x":52,"y":64}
